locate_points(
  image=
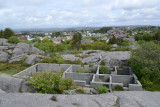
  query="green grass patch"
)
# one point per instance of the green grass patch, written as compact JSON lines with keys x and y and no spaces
{"x":12,"y":68}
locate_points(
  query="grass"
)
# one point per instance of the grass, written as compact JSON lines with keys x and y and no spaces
{"x":12,"y":68}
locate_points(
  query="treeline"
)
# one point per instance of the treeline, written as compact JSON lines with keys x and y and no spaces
{"x":148,"y":37}
{"x":103,"y":30}
{"x":145,"y":63}
{"x":10,"y":35}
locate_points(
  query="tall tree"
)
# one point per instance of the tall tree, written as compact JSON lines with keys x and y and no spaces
{"x":77,"y":37}
{"x":157,"y":36}
{"x":1,"y":34}
{"x":8,"y":33}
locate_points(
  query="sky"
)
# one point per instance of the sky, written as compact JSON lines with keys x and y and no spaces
{"x":21,"y":14}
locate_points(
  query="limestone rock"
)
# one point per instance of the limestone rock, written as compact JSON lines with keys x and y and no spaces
{"x":1,"y":91}
{"x":48,"y":100}
{"x":27,"y":88}
{"x":3,"y":56}
{"x":21,"y":48}
{"x":2,"y":41}
{"x":36,"y":50}
{"x":18,"y":58}
{"x":70,"y":57}
{"x":115,"y":58}
{"x":94,"y":58}
{"x":10,"y":84}
{"x":32,"y":59}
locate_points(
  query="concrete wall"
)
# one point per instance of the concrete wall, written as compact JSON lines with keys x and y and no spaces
{"x":125,"y":79}
{"x":80,"y":76}
{"x":52,"y":67}
{"x":96,"y":84}
{"x":124,"y":71}
{"x":26,"y":72}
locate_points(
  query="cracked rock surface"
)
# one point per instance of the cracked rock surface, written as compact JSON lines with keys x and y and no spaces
{"x":116,"y":99}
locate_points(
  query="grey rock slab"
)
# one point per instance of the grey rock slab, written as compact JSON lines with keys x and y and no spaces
{"x":32,"y":59}
{"x":36,"y":50}
{"x":2,"y":41}
{"x":70,"y":57}
{"x":18,"y":58}
{"x":3,"y":56}
{"x":138,"y":99}
{"x":44,"y":100}
{"x":10,"y":84}
{"x":1,"y":91}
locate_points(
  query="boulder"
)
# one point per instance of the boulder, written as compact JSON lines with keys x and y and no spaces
{"x":70,"y":57}
{"x":18,"y":58}
{"x":94,"y":58}
{"x":116,"y":58}
{"x":2,"y":41}
{"x":32,"y":59}
{"x":27,"y":87}
{"x":3,"y":56}
{"x":36,"y":50}
{"x":10,"y":84}
{"x":1,"y":91}
{"x":3,"y":47}
{"x":21,"y":48}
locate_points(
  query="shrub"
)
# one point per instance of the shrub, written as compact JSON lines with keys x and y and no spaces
{"x":119,"y":88}
{"x":13,"y":40}
{"x":46,"y":82}
{"x":67,"y":83}
{"x":102,"y":89}
{"x":103,"y":70}
{"x":102,"y":62}
{"x":54,"y":59}
{"x":79,"y":91}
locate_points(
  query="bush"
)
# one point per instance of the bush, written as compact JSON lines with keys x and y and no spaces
{"x":54,"y":59}
{"x":102,"y":62}
{"x":102,"y":89}
{"x":103,"y":70}
{"x":145,"y":64}
{"x":46,"y":82}
{"x":50,"y":82}
{"x":119,"y":88}
{"x":79,"y":91}
{"x":67,"y":83}
{"x":13,"y":40}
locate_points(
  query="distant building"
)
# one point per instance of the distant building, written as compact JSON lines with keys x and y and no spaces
{"x":23,"y":38}
{"x":83,"y":41}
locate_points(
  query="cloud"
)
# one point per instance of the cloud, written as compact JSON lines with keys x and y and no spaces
{"x":68,"y":13}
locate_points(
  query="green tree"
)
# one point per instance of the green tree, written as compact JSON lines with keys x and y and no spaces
{"x":145,"y":63}
{"x":157,"y":36}
{"x":8,"y":33}
{"x":1,"y":34}
{"x":77,"y":37}
{"x":13,"y":40}
{"x":113,"y":40}
{"x":102,"y":89}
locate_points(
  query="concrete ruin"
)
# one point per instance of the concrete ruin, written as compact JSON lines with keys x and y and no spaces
{"x":91,"y":78}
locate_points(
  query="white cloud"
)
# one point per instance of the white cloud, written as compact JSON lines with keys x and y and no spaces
{"x":51,"y":13}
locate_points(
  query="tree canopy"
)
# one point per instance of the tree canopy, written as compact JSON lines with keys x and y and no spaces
{"x":77,"y":37}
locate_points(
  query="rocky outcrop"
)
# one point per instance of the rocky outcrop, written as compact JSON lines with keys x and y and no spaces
{"x":3,"y":56}
{"x":32,"y":59}
{"x":18,"y":58}
{"x":23,"y":48}
{"x":3,"y":41}
{"x":14,"y":85}
{"x":10,"y":84}
{"x":70,"y":57}
{"x":116,"y":99}
{"x":115,"y":58}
